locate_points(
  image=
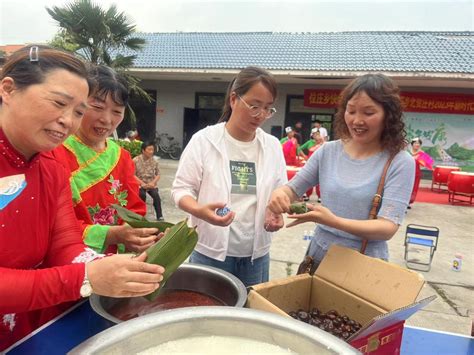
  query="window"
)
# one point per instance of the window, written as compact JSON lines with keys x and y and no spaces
{"x":210,"y":101}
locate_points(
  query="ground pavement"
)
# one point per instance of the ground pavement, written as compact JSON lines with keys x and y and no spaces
{"x":453,"y":309}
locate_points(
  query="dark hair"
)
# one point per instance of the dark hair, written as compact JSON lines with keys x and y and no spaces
{"x":243,"y":82}
{"x":107,"y":81}
{"x":30,"y":65}
{"x":147,"y":144}
{"x":385,"y":92}
{"x":414,"y":140}
{"x":317,"y":121}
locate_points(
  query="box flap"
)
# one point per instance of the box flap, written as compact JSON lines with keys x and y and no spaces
{"x":256,"y":301}
{"x":288,"y":294}
{"x":384,"y":284}
{"x":385,"y":320}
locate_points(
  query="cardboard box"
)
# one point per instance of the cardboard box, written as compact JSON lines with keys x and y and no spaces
{"x":375,"y":293}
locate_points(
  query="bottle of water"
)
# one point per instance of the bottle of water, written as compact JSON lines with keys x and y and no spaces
{"x":305,"y":235}
{"x":457,"y":262}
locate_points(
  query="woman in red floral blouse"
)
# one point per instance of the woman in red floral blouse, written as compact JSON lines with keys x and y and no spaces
{"x":43,"y":261}
{"x":103,"y":173}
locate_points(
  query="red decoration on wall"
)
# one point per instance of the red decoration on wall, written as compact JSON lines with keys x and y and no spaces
{"x":438,"y":102}
{"x":321,"y":98}
{"x":411,"y":101}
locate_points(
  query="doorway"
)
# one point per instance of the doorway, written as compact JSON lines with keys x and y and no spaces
{"x":146,"y":117}
{"x":297,"y":112}
{"x":207,"y":111}
{"x":326,"y":122}
{"x":196,"y":119}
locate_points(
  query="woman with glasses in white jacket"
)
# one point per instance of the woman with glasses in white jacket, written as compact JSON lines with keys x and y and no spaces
{"x":225,"y":178}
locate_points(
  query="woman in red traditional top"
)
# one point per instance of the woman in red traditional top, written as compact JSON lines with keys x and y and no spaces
{"x":421,"y":159}
{"x":43,"y":261}
{"x":103,"y":173}
{"x":313,"y":144}
{"x":290,"y":145}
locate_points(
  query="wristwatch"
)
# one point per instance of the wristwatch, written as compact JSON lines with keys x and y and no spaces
{"x":86,"y":288}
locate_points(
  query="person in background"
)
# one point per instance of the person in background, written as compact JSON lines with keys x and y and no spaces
{"x":312,"y":144}
{"x":299,"y":132}
{"x":323,"y":131}
{"x":416,"y":151}
{"x":131,"y":136}
{"x":147,"y":171}
{"x":225,"y":177}
{"x":103,"y":173}
{"x":370,"y":125}
{"x":43,"y":261}
{"x":290,"y":134}
{"x":289,"y":145}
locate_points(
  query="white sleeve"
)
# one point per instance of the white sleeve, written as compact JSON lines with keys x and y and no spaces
{"x":190,"y":170}
{"x":282,"y":175}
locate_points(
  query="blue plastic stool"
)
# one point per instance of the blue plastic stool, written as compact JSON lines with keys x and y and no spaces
{"x":422,"y":236}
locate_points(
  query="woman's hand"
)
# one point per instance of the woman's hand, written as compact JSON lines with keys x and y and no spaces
{"x":134,"y":239}
{"x":122,"y":276}
{"x":208,"y":214}
{"x":317,"y":214}
{"x":280,"y":200}
{"x":273,"y":222}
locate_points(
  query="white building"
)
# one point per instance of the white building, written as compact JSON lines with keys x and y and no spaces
{"x":188,"y":74}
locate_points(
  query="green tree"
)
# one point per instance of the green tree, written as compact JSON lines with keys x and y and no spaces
{"x":99,"y":35}
{"x":63,"y":41}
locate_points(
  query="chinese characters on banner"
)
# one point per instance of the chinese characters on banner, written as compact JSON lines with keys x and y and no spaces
{"x":321,"y":98}
{"x":411,"y":101}
{"x":440,"y":103}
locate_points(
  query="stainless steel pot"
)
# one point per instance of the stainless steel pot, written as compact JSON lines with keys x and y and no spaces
{"x":142,"y":333}
{"x":191,"y":277}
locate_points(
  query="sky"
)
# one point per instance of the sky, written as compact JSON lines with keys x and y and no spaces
{"x":26,"y":21}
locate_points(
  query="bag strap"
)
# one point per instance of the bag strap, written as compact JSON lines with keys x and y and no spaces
{"x":377,"y":200}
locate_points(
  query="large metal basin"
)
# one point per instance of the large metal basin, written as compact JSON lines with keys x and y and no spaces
{"x":191,"y":277}
{"x":142,"y":333}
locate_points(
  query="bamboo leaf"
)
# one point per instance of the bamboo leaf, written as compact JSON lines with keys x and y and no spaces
{"x":161,"y":225}
{"x":298,"y":208}
{"x":138,"y":221}
{"x":171,"y":251}
{"x":127,"y":215}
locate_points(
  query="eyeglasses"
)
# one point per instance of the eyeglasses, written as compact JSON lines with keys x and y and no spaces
{"x":255,"y":111}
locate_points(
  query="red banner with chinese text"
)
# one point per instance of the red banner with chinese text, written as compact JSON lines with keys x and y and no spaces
{"x":433,"y":102}
{"x":321,"y":98}
{"x":411,"y":101}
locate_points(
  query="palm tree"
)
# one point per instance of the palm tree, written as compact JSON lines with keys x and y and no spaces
{"x":99,"y":35}
{"x":62,"y":41}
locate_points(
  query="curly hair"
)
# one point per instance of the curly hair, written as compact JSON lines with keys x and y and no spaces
{"x":385,"y":92}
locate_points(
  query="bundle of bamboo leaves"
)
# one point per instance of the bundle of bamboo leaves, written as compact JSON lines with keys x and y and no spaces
{"x":171,"y":250}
